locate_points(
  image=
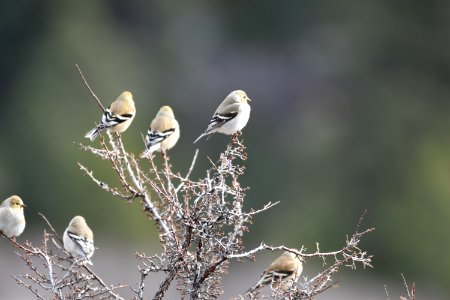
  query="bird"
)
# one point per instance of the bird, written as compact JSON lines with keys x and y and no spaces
{"x":117,"y":117}
{"x":79,"y":240}
{"x":163,"y":132}
{"x":231,"y":116}
{"x":12,"y":218}
{"x":281,"y":273}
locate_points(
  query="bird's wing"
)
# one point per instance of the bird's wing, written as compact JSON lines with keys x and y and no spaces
{"x":219,"y":119}
{"x":110,"y":120}
{"x":3,"y":218}
{"x":281,"y":263}
{"x":155,"y":137}
{"x":86,"y":245}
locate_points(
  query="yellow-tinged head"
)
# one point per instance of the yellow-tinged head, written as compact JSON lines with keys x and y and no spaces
{"x":126,"y":95}
{"x":293,"y":255}
{"x":79,"y":227}
{"x":77,"y":220}
{"x":166,"y":111}
{"x":165,"y":108}
{"x":14,"y":202}
{"x":239,"y":96}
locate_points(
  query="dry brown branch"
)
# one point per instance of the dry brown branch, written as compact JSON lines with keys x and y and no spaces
{"x":201,"y":227}
{"x":53,"y":274}
{"x":89,"y":88}
{"x":412,"y":293}
{"x":348,"y":256}
{"x":202,"y":222}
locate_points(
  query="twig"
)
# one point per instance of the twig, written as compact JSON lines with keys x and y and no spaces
{"x":164,"y":286}
{"x":99,"y":280}
{"x":406,"y":285}
{"x":104,"y":185}
{"x":412,"y":294}
{"x":53,"y":271}
{"x":89,"y":88}
{"x":51,"y":227}
{"x":188,"y":173}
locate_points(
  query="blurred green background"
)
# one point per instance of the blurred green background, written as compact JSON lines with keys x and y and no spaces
{"x":350,"y":111}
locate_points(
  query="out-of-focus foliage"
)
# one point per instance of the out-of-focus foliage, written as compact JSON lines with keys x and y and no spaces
{"x":350,"y":110}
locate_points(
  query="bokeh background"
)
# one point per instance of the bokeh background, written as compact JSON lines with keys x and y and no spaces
{"x":350,"y":111}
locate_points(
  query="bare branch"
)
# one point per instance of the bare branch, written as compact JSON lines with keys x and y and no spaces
{"x":104,"y":185}
{"x":188,"y":173}
{"x":53,"y":274}
{"x":201,"y":225}
{"x":165,"y":285}
{"x":89,"y":88}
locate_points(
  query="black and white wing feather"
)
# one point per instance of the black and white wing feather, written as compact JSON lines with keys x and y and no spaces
{"x":153,"y":140}
{"x":217,"y":121}
{"x":270,"y":277}
{"x":156,"y":137}
{"x":108,"y":120}
{"x":86,"y":246}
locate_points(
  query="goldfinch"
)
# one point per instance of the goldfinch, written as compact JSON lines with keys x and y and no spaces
{"x":117,"y":117}
{"x":79,"y":240}
{"x":281,"y":273}
{"x":163,"y":132}
{"x":12,"y":219}
{"x":231,"y":116}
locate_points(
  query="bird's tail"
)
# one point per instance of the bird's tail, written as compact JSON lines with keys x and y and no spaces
{"x":264,"y":280}
{"x":255,"y":287}
{"x":92,"y":134}
{"x":146,"y":153}
{"x":84,"y":261}
{"x":88,"y":261}
{"x":252,"y":289}
{"x":150,"y":150}
{"x":202,"y":135}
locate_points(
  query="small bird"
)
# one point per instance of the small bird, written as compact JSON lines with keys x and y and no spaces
{"x":79,"y":240}
{"x":117,"y":117}
{"x":231,"y":116}
{"x":281,"y":273}
{"x":12,"y":219}
{"x":163,"y":132}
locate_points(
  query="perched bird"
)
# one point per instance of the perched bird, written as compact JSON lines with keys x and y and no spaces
{"x":281,"y":273}
{"x":117,"y":117}
{"x":12,"y":219}
{"x":231,"y":116}
{"x":79,"y":240}
{"x":163,"y":132}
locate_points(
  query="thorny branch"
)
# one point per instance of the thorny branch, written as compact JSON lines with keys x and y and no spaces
{"x":215,"y":203}
{"x":411,"y":294}
{"x":128,"y":170}
{"x":53,"y":274}
{"x":201,"y":223}
{"x":349,"y":256}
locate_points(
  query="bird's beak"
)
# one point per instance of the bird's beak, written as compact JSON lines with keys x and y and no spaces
{"x":24,"y":206}
{"x":249,"y":100}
